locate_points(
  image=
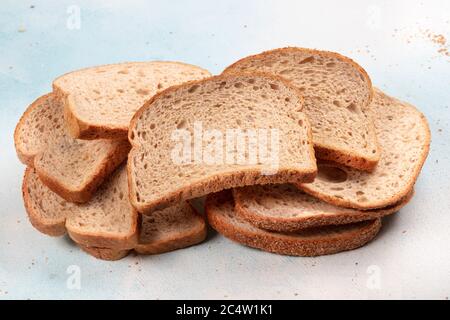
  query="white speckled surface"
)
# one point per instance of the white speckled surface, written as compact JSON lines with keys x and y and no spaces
{"x":412,"y":253}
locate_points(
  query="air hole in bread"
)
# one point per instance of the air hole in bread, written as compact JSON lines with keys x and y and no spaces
{"x":307,"y":60}
{"x":124,"y":71}
{"x":331,"y":174}
{"x":353,"y":108}
{"x":238,"y":85}
{"x":152,"y":126}
{"x":330,"y":65}
{"x":181,"y":124}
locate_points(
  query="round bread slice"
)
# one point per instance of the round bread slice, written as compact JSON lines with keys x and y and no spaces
{"x":285,"y":208}
{"x":222,"y":132}
{"x":336,"y":90}
{"x":100,"y":101}
{"x":308,"y":242}
{"x":72,"y":168}
{"x":404,"y":136}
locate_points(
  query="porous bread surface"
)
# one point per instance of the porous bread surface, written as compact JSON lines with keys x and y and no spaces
{"x":245,"y":102}
{"x":100,"y":101}
{"x":106,"y":227}
{"x":404,"y":137}
{"x":171,"y":228}
{"x":336,"y":91}
{"x":107,"y":220}
{"x":40,"y":125}
{"x":286,"y":208}
{"x":70,"y":167}
{"x":308,"y":242}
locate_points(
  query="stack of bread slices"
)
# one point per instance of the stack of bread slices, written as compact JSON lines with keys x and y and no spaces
{"x":116,"y":153}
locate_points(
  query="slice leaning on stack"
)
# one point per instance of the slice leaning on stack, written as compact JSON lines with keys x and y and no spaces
{"x":107,"y":226}
{"x":337,"y":92}
{"x":309,"y":242}
{"x":404,"y":137}
{"x":100,"y":101}
{"x":165,"y":166}
{"x":72,"y":168}
{"x":285,"y":208}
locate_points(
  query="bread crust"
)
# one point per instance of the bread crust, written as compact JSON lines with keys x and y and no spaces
{"x":24,"y":157}
{"x":105,"y":253}
{"x":292,"y":224}
{"x":388,"y":201}
{"x":322,"y":151}
{"x":82,"y":129}
{"x":84,"y":194}
{"x":288,"y":245}
{"x":220,"y":181}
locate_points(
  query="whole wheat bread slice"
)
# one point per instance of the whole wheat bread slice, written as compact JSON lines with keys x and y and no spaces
{"x":107,"y":221}
{"x":157,"y":176}
{"x":337,"y":92}
{"x":404,"y":137}
{"x":106,"y":227}
{"x":100,"y":101}
{"x":72,"y":168}
{"x":308,"y":242}
{"x":285,"y":208}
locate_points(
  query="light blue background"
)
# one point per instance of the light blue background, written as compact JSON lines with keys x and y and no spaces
{"x":412,"y":253}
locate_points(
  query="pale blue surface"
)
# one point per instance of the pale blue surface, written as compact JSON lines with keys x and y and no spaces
{"x":213,"y":34}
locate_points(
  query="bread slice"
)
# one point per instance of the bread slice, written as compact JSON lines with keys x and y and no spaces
{"x":170,"y":229}
{"x":160,"y":176}
{"x":106,"y":227}
{"x":404,"y":137}
{"x":285,"y":208}
{"x":107,"y":221}
{"x":308,"y":242}
{"x":337,"y":92}
{"x":100,"y":101}
{"x":72,"y":168}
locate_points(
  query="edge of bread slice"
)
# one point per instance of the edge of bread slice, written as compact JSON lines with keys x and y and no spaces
{"x":169,"y":229}
{"x":285,"y":208}
{"x":72,"y":168}
{"x":220,"y":103}
{"x":308,"y":242}
{"x":337,"y":90}
{"x":105,"y":253}
{"x":404,"y":137}
{"x":100,"y":101}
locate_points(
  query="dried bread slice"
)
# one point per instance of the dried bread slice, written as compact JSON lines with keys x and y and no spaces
{"x":100,"y":101}
{"x":404,"y":137}
{"x":72,"y":168}
{"x":336,"y":91}
{"x":285,"y":208}
{"x":106,"y":227}
{"x":265,"y":110}
{"x":107,"y":221}
{"x":308,"y":242}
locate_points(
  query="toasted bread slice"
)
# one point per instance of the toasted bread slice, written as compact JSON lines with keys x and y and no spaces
{"x":308,"y":242}
{"x":285,"y":208}
{"x":72,"y":168}
{"x":100,"y":101}
{"x":106,"y":227}
{"x":337,"y":92}
{"x":404,"y":137}
{"x":265,"y":107}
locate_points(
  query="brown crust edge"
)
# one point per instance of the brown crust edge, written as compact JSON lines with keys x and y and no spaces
{"x":83,"y":195}
{"x":104,"y":253}
{"x":248,"y":177}
{"x":322,"y":152}
{"x":298,"y":223}
{"x":81,"y":129}
{"x":269,"y":241}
